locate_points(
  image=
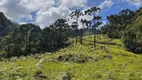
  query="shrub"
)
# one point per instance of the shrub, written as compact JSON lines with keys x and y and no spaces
{"x":132,"y":38}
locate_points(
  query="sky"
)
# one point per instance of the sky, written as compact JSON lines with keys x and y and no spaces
{"x":46,"y":12}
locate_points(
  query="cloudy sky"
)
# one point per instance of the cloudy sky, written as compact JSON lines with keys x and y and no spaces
{"x":45,"y":12}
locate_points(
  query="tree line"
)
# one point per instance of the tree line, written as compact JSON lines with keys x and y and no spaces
{"x":31,"y":39}
{"x":127,"y":26}
{"x":91,"y":24}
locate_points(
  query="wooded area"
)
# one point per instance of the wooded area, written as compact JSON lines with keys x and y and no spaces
{"x":31,"y":39}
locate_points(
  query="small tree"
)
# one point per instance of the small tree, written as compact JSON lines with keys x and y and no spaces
{"x":61,"y":28}
{"x":83,"y":21}
{"x":95,"y":20}
{"x":76,"y":14}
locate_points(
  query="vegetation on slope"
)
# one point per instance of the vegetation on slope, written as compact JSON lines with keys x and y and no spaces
{"x":127,"y":25}
{"x":95,"y":58}
{"x":118,"y":23}
{"x":30,"y":39}
{"x":107,"y":62}
{"x":132,"y":37}
{"x":5,"y":25}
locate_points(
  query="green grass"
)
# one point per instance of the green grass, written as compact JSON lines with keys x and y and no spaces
{"x":110,"y":62}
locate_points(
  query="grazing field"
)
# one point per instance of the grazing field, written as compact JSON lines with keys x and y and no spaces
{"x":108,"y":61}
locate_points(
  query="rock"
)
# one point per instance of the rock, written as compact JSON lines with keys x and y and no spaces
{"x":73,"y":58}
{"x":40,"y":76}
{"x":64,"y":76}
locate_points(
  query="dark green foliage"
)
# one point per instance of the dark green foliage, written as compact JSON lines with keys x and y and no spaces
{"x":55,"y":36}
{"x":5,"y":25}
{"x":23,"y":40}
{"x":117,"y":23}
{"x":132,"y":37}
{"x":76,"y":14}
{"x":30,"y":39}
{"x":96,"y":20}
{"x":111,"y":31}
{"x":128,"y":26}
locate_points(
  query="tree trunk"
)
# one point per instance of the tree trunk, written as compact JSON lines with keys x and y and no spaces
{"x":77,"y":30}
{"x":81,"y":36}
{"x":59,"y":38}
{"x":76,"y":35}
{"x":94,"y":39}
{"x":26,"y":43}
{"x":29,"y":50}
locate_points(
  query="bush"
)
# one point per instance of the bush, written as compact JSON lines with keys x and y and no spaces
{"x":3,"y":53}
{"x":65,"y":76}
{"x":132,"y":38}
{"x":74,"y":58}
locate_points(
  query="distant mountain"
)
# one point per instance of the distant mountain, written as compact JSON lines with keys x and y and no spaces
{"x":5,"y":25}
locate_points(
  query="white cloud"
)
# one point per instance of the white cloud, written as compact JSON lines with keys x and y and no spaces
{"x":137,"y":4}
{"x":131,"y":2}
{"x":73,"y":3}
{"x":87,"y":17}
{"x":106,"y":4}
{"x":34,"y":5}
{"x":46,"y":18}
{"x":47,"y":10}
{"x":12,"y":9}
{"x":16,"y":9}
{"x":22,"y":23}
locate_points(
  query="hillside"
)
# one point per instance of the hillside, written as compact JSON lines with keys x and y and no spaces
{"x":108,"y":61}
{"x":5,"y":25}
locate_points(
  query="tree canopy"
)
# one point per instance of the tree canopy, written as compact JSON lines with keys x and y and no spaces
{"x":30,"y":39}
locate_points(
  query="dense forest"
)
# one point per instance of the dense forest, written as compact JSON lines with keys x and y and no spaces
{"x":30,"y":39}
{"x":25,"y":39}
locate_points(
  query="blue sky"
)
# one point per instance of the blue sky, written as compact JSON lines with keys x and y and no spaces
{"x":45,"y":12}
{"x":116,"y":7}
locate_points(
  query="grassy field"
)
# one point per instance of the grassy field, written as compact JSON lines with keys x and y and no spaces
{"x":77,"y":62}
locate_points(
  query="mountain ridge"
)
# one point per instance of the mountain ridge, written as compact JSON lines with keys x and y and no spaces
{"x":5,"y":25}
